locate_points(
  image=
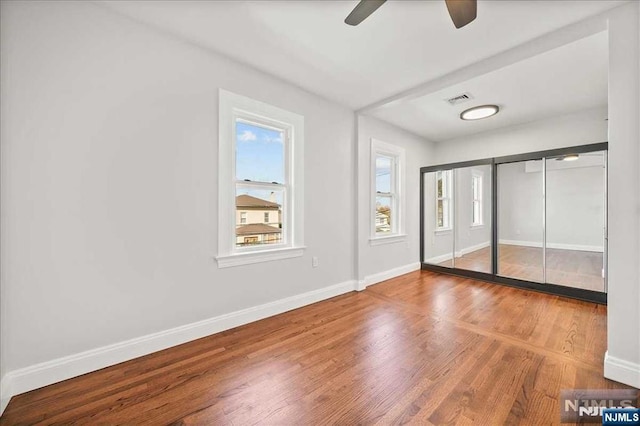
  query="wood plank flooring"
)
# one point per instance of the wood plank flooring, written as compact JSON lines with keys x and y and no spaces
{"x":423,"y":348}
{"x":571,"y":268}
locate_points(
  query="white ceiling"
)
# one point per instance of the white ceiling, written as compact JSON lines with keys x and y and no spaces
{"x":403,"y":44}
{"x":570,"y":78}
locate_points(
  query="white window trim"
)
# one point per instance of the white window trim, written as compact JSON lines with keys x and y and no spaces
{"x":480,"y":175}
{"x":231,"y":107}
{"x":387,"y":239}
{"x":441,"y":230}
{"x":398,"y":182}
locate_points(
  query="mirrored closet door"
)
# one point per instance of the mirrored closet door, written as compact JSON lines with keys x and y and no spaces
{"x":438,"y":214}
{"x":521,"y":220}
{"x":472,"y":224}
{"x":551,"y":220}
{"x":575,"y":220}
{"x":535,"y":220}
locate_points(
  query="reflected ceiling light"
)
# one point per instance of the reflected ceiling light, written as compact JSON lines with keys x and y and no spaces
{"x":479,"y":112}
{"x":570,"y":157}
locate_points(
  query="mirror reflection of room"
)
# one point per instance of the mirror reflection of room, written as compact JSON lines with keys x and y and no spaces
{"x":458,"y":218}
{"x":521,"y":220}
{"x":575,"y":220}
{"x":473,"y":218}
{"x":438,"y":218}
{"x":567,"y":219}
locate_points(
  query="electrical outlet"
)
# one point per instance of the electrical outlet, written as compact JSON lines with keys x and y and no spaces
{"x":314,"y":261}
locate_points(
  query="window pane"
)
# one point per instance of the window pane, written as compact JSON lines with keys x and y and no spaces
{"x":476,"y":213}
{"x":476,"y":188}
{"x":258,"y":216}
{"x":383,"y":174}
{"x":259,"y":153}
{"x":442,"y":183}
{"x":443,"y":213}
{"x":383,"y":214}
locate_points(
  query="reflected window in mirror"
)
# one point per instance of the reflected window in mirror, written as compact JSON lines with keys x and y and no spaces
{"x":443,"y":200}
{"x":476,"y":191}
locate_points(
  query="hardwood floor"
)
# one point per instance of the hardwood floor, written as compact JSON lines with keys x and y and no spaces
{"x":478,"y":260}
{"x":572,"y":268}
{"x":423,"y":348}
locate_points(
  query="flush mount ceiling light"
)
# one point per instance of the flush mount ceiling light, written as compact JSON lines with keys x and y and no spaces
{"x":569,"y":157}
{"x":479,"y":112}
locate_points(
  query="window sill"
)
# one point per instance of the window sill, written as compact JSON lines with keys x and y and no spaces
{"x":478,"y":226}
{"x":390,"y":239}
{"x":442,"y":231}
{"x":239,"y":259}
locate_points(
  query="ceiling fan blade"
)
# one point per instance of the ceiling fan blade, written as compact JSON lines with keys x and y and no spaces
{"x":362,"y":11}
{"x":462,"y":11}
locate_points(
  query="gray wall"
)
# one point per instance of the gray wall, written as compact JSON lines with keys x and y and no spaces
{"x":579,"y":128}
{"x":380,"y":258}
{"x":622,"y":362}
{"x":109,"y":184}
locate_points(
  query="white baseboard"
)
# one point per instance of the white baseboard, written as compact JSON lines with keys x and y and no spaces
{"x":439,"y":259}
{"x":43,"y":374}
{"x":577,"y":247}
{"x":387,"y":275}
{"x":621,"y":370}
{"x":444,"y":257}
{"x":5,"y":393}
{"x":473,"y":248}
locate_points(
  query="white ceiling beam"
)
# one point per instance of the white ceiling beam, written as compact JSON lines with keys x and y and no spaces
{"x":536,"y":46}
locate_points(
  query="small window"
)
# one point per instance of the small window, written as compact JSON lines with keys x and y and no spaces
{"x":261,"y":182}
{"x":259,"y":196}
{"x":443,"y":200}
{"x":387,"y":202}
{"x":385,"y":196}
{"x":476,"y":190}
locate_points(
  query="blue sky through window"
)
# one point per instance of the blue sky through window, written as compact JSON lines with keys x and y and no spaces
{"x":259,"y":153}
{"x":383,"y":174}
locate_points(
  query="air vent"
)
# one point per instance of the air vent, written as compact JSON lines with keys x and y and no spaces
{"x":462,"y":98}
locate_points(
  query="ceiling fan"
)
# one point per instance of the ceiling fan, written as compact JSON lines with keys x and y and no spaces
{"x":461,"y":11}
